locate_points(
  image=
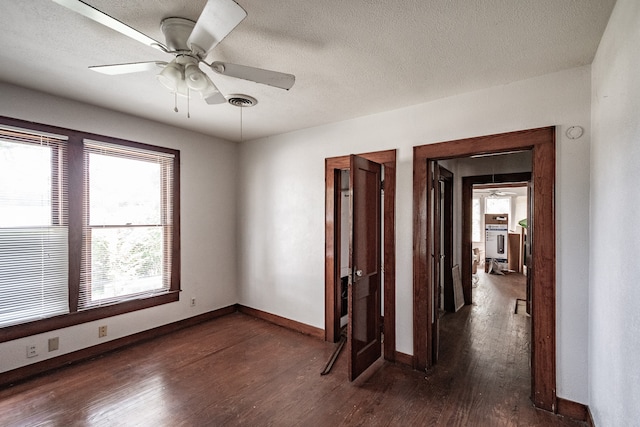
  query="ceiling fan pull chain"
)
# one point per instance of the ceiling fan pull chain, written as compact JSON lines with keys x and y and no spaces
{"x":175,"y":101}
{"x":188,"y":103}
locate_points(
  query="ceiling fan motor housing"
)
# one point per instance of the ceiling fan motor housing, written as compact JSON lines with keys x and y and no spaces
{"x":176,"y":33}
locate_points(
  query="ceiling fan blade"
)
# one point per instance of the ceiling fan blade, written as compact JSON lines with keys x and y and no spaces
{"x":214,"y":97}
{"x":211,"y":94}
{"x":133,"y":67}
{"x":106,"y":20}
{"x":217,"y":20}
{"x":258,"y":75}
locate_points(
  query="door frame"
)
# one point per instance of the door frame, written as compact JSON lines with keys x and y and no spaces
{"x":541,"y":142}
{"x":333,"y":167}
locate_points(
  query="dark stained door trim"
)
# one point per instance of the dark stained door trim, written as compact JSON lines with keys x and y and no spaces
{"x":333,"y":166}
{"x":541,"y":142}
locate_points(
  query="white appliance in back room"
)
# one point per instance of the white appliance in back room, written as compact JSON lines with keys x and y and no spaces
{"x":496,"y":240}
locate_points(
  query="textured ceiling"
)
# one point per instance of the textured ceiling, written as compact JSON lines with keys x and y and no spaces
{"x":351,"y":58}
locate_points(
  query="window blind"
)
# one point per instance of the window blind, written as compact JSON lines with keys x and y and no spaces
{"x":33,"y":226}
{"x":127,"y":223}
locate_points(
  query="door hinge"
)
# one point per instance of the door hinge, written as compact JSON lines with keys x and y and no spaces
{"x":382,"y":186}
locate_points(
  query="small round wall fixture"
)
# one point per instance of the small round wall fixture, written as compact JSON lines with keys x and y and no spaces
{"x":574,"y":132}
{"x":242,"y":101}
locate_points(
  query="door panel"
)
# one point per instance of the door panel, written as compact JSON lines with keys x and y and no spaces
{"x":364,"y":336}
{"x":528,"y":244}
{"x":442,"y":251}
{"x":437,"y":260}
{"x":446,"y":238}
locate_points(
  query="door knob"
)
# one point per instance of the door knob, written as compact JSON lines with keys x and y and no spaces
{"x":359,"y":273}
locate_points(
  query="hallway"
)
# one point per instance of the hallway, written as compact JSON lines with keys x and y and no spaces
{"x":485,"y":350}
{"x":238,"y":370}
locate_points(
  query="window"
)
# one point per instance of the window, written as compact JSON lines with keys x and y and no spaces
{"x":33,"y":227}
{"x":497,"y":205}
{"x":88,"y":227}
{"x":126,"y":228}
{"x":476,"y":221}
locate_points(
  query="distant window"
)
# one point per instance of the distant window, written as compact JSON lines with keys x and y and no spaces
{"x":476,"y":219}
{"x":497,"y":205}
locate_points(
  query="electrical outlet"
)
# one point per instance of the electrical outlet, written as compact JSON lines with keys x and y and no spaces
{"x":102,"y":331}
{"x":193,"y":302}
{"x":31,"y":351}
{"x":54,"y":343}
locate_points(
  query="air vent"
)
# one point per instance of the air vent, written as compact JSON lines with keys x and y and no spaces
{"x":242,"y":100}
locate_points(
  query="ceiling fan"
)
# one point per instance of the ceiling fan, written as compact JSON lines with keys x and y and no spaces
{"x":190,"y":43}
{"x":497,"y":193}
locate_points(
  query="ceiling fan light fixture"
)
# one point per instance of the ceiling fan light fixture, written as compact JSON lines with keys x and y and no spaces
{"x":182,"y":88}
{"x":195,"y":78}
{"x":171,"y":76}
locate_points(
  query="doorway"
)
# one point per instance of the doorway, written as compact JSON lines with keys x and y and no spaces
{"x":541,"y":142}
{"x":468,"y":184}
{"x":335,"y":168}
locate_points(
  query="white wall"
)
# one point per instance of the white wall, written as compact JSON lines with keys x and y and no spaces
{"x":208,"y":218}
{"x":614,"y":318}
{"x":282,"y":202}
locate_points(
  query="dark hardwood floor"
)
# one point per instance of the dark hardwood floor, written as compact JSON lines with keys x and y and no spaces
{"x":238,"y":370}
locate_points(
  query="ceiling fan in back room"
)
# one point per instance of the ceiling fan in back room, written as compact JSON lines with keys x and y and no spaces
{"x":189,"y":42}
{"x":497,"y":193}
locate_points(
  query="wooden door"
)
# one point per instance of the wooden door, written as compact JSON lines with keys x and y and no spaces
{"x":446,"y":238}
{"x":363,"y":330}
{"x":437,"y":261}
{"x":442,"y":254}
{"x":441,"y":278}
{"x":528,"y":244}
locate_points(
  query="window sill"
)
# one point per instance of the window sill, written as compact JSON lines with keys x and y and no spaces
{"x":22,"y":330}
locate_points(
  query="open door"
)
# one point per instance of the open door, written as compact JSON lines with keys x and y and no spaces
{"x":363,"y":330}
{"x":528,"y":244}
{"x":443,"y":298}
{"x":437,"y":261}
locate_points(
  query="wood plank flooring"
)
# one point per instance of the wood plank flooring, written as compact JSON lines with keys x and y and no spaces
{"x":238,"y":370}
